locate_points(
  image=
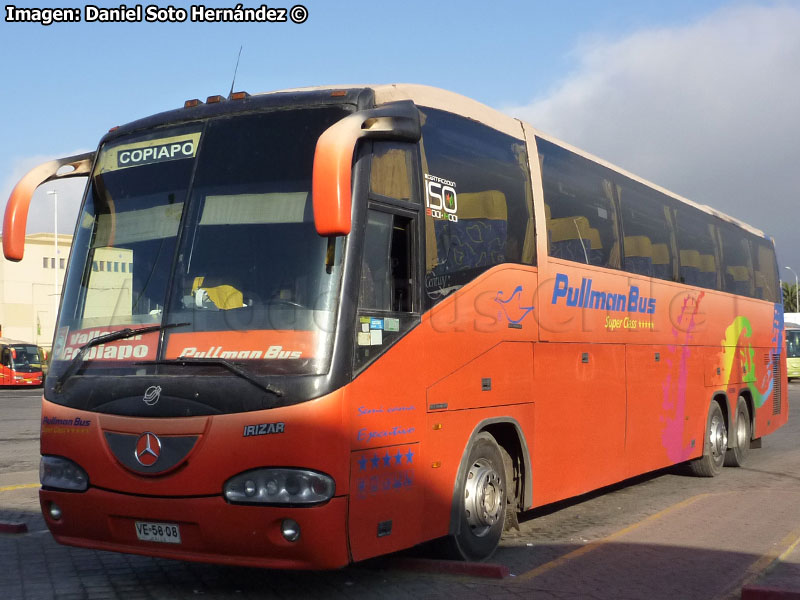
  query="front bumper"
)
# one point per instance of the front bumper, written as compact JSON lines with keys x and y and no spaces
{"x":211,"y":529}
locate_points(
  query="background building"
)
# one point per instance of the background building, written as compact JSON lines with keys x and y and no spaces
{"x":30,"y":289}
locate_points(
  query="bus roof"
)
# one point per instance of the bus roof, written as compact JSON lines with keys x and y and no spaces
{"x":9,"y":341}
{"x":433,"y":97}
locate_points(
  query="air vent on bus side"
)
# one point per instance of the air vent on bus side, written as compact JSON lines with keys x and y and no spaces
{"x":777,"y":385}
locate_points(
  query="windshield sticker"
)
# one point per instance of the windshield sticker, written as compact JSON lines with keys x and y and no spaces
{"x":441,"y":200}
{"x":243,"y":345}
{"x":138,"y":347}
{"x":148,"y":152}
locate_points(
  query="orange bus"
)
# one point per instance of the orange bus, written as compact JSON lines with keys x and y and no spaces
{"x":309,"y":327}
{"x":20,"y":363}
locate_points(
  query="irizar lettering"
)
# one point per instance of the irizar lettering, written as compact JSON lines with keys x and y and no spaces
{"x":585,"y":297}
{"x":263,"y":429}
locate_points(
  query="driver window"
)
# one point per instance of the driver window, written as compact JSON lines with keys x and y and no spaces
{"x":386,"y":294}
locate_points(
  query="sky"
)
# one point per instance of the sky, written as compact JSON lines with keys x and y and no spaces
{"x":702,"y":98}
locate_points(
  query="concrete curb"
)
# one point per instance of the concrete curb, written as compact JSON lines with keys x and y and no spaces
{"x":9,"y":527}
{"x":751,"y":592}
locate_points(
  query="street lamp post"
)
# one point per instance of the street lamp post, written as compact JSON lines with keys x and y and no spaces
{"x":54,"y":193}
{"x":796,"y":291}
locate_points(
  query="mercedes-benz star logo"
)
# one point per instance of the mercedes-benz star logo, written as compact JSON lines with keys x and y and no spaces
{"x":148,"y":449}
{"x":152,"y":394}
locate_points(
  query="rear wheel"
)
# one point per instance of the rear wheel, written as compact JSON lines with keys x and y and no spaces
{"x":482,"y":502}
{"x":715,"y":444}
{"x":736,"y":457}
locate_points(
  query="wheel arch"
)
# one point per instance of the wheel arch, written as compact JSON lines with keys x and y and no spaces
{"x":509,"y":436}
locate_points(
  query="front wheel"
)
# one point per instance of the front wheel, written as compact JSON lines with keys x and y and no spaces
{"x":482,"y":502}
{"x":736,"y":457}
{"x":715,"y":444}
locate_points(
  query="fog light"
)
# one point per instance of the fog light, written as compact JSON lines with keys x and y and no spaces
{"x":290,"y":530}
{"x":55,"y":511}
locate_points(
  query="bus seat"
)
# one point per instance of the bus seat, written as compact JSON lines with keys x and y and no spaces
{"x":690,"y":267}
{"x":708,"y":271}
{"x":565,"y":241}
{"x":661,"y":262}
{"x":737,"y":279}
{"x":639,"y":255}
{"x":478,"y":238}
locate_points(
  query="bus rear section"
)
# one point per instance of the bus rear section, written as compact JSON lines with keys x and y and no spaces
{"x":792,"y":350}
{"x":20,"y":364}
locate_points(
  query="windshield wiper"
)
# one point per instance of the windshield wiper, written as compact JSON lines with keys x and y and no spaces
{"x":233,"y":368}
{"x":111,"y":336}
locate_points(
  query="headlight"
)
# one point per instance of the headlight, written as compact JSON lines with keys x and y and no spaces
{"x":62,"y":474}
{"x":279,"y":486}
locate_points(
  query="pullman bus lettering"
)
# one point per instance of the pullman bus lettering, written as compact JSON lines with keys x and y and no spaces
{"x":585,"y":297}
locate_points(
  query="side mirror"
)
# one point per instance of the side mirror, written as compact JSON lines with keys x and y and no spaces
{"x":16,"y":217}
{"x":331,"y":187}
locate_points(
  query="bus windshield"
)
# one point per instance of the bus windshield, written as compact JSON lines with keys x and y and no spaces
{"x":208,"y":225}
{"x":25,"y":358}
{"x":793,"y":343}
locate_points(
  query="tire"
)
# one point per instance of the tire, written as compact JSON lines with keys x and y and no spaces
{"x":481,"y":502}
{"x":736,"y":457}
{"x":715,"y":445}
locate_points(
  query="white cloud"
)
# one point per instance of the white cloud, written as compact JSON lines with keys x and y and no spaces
{"x":710,"y":110}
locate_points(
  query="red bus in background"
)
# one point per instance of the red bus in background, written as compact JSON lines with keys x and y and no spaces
{"x":306,"y":328}
{"x":20,"y":363}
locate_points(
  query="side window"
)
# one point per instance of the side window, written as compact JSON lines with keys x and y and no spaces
{"x":391,"y":171}
{"x":386,"y":267}
{"x":648,"y":242}
{"x":386,"y":293}
{"x":737,"y":273}
{"x":579,"y":205}
{"x":698,"y":260}
{"x":478,"y":201}
{"x":766,"y":273}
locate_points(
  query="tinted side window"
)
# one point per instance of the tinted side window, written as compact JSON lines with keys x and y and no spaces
{"x":390,"y":174}
{"x":698,"y":254}
{"x":648,"y":241}
{"x":478,"y":201}
{"x":737,"y":272}
{"x":766,"y":270}
{"x":579,"y":205}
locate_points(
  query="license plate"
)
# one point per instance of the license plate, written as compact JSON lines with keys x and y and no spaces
{"x":166,"y":533}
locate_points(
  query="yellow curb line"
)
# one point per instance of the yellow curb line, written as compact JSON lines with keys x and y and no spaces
{"x":756,"y":569}
{"x":549,"y":566}
{"x":21,"y":486}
